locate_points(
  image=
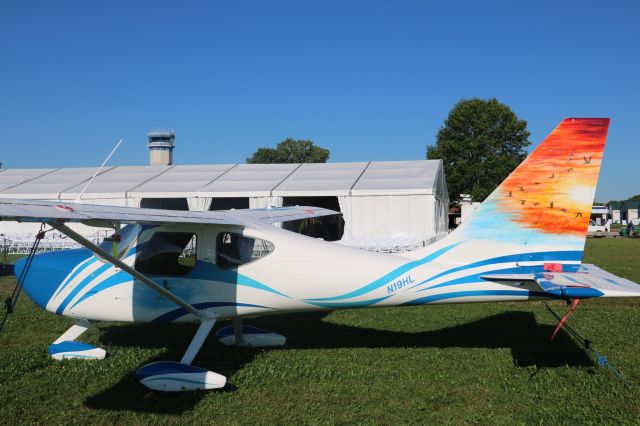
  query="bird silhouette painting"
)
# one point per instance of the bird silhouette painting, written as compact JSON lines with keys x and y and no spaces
{"x":559,"y":188}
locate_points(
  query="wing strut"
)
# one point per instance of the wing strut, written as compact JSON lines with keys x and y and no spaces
{"x":128,"y":269}
{"x":10,"y":302}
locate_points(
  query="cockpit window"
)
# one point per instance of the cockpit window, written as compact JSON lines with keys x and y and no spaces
{"x":167,"y":253}
{"x":128,"y":235}
{"x":233,"y":249}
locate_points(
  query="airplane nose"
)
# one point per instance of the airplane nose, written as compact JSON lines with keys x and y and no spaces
{"x":47,"y":271}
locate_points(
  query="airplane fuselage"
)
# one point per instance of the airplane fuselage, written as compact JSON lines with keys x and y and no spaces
{"x":297,"y":273}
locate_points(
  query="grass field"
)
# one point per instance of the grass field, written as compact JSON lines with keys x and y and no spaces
{"x":475,"y":363}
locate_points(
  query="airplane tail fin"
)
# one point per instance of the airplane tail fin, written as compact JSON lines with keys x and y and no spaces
{"x":545,"y":203}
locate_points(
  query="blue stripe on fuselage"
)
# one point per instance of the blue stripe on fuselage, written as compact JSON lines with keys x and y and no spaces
{"x":177,"y":313}
{"x":534,"y":257}
{"x":474,"y":278}
{"x":87,"y":262}
{"x":382,"y":281}
{"x":120,"y":277}
{"x":471,"y":293}
{"x":340,"y":305}
{"x":81,"y":285}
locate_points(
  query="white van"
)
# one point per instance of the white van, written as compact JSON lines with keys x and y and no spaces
{"x":594,"y":228}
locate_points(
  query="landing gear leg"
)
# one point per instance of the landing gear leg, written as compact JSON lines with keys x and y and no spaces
{"x":65,"y":346}
{"x":238,"y":331}
{"x":170,"y":376}
{"x":239,"y":334}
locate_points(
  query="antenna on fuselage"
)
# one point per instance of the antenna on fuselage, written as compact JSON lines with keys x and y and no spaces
{"x":79,"y":197}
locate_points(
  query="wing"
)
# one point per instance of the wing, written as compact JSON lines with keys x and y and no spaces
{"x":61,"y":212}
{"x":58,"y":213}
{"x":283,"y":214}
{"x":587,"y":281}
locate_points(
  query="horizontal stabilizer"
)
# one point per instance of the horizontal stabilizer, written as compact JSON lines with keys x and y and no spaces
{"x":587,"y":281}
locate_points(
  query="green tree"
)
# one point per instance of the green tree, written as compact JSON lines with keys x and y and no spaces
{"x":481,"y":142}
{"x":290,"y":151}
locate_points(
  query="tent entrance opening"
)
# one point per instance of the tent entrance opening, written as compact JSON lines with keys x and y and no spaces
{"x":329,"y":228}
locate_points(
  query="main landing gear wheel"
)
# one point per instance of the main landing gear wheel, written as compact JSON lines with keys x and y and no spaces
{"x":170,"y":376}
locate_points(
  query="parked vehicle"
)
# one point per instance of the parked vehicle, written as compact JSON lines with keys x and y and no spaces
{"x":595,"y":229}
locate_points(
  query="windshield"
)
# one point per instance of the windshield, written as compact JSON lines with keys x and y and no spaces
{"x":128,"y":235}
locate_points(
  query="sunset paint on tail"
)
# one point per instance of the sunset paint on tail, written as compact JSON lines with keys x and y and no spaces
{"x":553,"y":189}
{"x":548,"y":198}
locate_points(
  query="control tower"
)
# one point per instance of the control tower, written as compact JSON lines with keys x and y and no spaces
{"x":161,"y":147}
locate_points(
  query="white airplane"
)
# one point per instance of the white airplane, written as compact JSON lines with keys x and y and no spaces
{"x":525,"y":242}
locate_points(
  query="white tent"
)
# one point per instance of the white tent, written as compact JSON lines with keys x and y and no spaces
{"x":377,"y":199}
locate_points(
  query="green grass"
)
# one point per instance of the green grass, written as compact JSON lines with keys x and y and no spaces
{"x":475,"y":363}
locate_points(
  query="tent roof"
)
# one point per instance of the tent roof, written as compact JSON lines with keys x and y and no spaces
{"x":51,"y":183}
{"x":17,"y":177}
{"x":229,"y":180}
{"x":117,"y":182}
{"x":181,"y":180}
{"x":405,"y":176}
{"x":248,"y":180}
{"x":321,"y":179}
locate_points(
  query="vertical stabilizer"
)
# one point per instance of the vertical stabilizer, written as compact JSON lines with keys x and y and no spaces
{"x":547,"y":200}
{"x":541,"y":211}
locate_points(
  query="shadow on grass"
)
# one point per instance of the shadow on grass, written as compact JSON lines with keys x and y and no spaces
{"x":129,"y":395}
{"x":519,"y":331}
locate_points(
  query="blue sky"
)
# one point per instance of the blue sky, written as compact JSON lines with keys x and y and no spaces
{"x":369,"y":80}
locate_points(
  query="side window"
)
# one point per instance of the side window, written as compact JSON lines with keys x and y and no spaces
{"x":167,"y":253}
{"x":233,"y":249}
